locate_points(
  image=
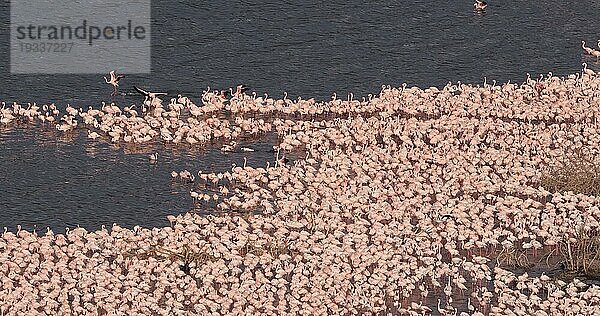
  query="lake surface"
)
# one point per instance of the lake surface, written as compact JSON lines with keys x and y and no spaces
{"x":311,"y":49}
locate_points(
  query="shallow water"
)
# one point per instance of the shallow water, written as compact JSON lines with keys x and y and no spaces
{"x":312,"y":50}
{"x":56,"y":180}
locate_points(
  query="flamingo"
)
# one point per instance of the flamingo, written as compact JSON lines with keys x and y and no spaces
{"x":153,"y":157}
{"x":586,"y":49}
{"x":586,"y":71}
{"x":149,"y":95}
{"x":480,"y":5}
{"x":596,"y":53}
{"x":114,"y":80}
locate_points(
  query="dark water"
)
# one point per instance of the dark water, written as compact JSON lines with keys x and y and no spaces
{"x":310,"y":49}
{"x":57,"y":180}
{"x":314,"y":48}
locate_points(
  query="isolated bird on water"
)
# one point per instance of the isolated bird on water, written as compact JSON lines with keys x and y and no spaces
{"x":480,"y":5}
{"x":114,"y":80}
{"x":153,"y":158}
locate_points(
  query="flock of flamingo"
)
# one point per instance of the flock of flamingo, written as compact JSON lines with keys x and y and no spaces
{"x":398,"y":203}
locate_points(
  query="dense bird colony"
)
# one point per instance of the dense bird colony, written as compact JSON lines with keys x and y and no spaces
{"x":406,"y":203}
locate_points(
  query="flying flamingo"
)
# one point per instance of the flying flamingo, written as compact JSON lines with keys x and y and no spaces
{"x":149,"y":95}
{"x":114,"y":80}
